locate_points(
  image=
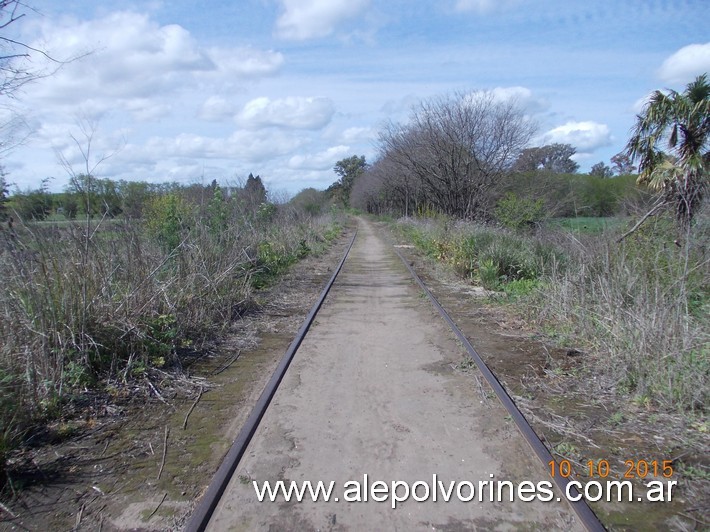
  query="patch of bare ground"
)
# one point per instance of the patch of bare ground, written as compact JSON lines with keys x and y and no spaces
{"x":137,"y":455}
{"x":577,"y":413}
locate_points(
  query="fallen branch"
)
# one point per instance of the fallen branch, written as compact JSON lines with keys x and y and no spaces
{"x":155,"y":391}
{"x":231,"y":361}
{"x":184,"y":424}
{"x":78,"y":518}
{"x":165,"y":450}
{"x":7,"y":511}
{"x":165,"y":495}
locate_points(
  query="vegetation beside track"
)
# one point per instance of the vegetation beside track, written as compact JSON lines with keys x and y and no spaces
{"x":98,"y":302}
{"x":641,"y":306}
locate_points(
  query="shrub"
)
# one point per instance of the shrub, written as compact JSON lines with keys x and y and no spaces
{"x":519,"y":213}
{"x":167,"y":219}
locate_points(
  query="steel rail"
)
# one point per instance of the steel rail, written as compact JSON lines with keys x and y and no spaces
{"x":581,"y":508}
{"x":209,"y":501}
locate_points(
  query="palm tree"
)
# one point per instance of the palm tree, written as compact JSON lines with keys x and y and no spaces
{"x":681,"y":121}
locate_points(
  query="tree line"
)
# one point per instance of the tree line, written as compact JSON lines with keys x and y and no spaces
{"x":95,"y":197}
{"x":467,"y":155}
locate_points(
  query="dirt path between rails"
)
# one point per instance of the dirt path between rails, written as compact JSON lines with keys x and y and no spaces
{"x":378,"y":389}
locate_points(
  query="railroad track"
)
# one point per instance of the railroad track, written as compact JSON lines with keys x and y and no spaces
{"x":210,"y":500}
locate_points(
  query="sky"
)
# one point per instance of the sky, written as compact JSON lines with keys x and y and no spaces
{"x":187,"y":91}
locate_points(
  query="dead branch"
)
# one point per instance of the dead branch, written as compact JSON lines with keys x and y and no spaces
{"x":165,"y":495}
{"x":660,"y":204}
{"x":231,"y":361}
{"x":7,"y":511}
{"x":156,"y":392}
{"x":184,"y":424}
{"x":78,"y":517}
{"x":165,"y":451}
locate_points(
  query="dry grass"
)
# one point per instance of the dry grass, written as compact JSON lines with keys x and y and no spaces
{"x":89,"y":301}
{"x":641,"y":306}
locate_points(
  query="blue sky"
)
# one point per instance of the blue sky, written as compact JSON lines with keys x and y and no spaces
{"x":193,"y":91}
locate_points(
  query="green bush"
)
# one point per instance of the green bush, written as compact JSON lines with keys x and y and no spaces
{"x":519,"y":213}
{"x":168,"y":218}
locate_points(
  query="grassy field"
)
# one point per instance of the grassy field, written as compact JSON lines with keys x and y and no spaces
{"x":587,"y":224}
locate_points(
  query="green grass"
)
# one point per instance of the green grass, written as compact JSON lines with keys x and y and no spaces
{"x":586,"y":224}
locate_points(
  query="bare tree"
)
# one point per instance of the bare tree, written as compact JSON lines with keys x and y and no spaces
{"x":457,"y":149}
{"x":15,"y":54}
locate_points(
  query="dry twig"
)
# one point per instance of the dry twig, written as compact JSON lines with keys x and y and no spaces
{"x":157,"y":394}
{"x":165,"y":450}
{"x":165,"y":495}
{"x":78,"y":517}
{"x":7,"y":510}
{"x":184,"y":424}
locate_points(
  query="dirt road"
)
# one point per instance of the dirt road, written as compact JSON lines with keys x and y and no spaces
{"x":380,"y":388}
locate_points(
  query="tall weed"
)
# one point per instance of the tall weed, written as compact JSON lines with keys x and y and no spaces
{"x":83,"y":301}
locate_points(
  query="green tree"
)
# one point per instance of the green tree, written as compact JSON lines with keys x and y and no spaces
{"x":83,"y":186}
{"x":671,"y":141}
{"x":168,"y":219}
{"x":518,"y":213}
{"x":554,"y":158}
{"x":34,"y":204}
{"x":217,"y":212}
{"x":601,"y":170}
{"x":69,"y":204}
{"x":310,"y":201}
{"x":621,"y":164}
{"x":253,"y":193}
{"x":348,"y":171}
{"x":135,"y":195}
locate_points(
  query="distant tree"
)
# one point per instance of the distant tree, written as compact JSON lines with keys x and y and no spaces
{"x":349,"y":170}
{"x":601,"y":170}
{"x":454,"y":153}
{"x":554,"y":158}
{"x":671,"y":141}
{"x":255,"y":190}
{"x":622,"y":164}
{"x":34,"y":204}
{"x":135,"y":196}
{"x":69,"y":204}
{"x":110,"y":201}
{"x":217,"y":212}
{"x":310,"y":201}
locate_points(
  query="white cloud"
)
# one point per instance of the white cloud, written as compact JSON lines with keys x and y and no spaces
{"x":130,"y":56}
{"x":291,"y":113}
{"x":358,"y":135}
{"x":216,"y":109}
{"x":308,"y":19}
{"x":319,"y":161}
{"x":241,"y":145}
{"x":133,"y":63}
{"x":523,"y":96}
{"x":245,"y":62}
{"x":585,"y":136}
{"x":686,"y":64}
